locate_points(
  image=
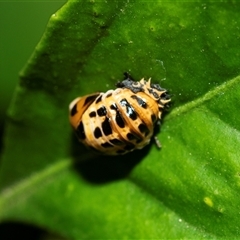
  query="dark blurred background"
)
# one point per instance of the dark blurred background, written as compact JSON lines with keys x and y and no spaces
{"x":21,"y":27}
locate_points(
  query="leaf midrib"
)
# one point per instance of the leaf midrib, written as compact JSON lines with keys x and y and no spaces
{"x":201,"y":100}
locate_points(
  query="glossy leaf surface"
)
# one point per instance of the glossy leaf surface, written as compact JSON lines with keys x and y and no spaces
{"x":190,"y":188}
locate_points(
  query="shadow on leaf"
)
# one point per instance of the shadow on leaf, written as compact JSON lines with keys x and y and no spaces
{"x":17,"y":230}
{"x":100,"y":169}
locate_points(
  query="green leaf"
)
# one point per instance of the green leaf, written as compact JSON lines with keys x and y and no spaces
{"x":190,"y":188}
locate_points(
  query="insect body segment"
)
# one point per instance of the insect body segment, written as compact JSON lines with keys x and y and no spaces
{"x":120,"y":120}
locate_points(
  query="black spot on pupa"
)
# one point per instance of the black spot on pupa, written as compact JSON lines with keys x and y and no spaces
{"x":80,"y":131}
{"x":92,"y":114}
{"x":106,"y":127}
{"x":119,"y":120}
{"x":106,"y":145}
{"x":140,"y":102}
{"x":114,"y":107}
{"x":155,"y":95}
{"x":115,"y":141}
{"x":130,"y":110}
{"x":130,"y":136}
{"x":109,"y":95}
{"x":102,"y":111}
{"x":151,"y":91}
{"x":160,"y":109}
{"x":74,"y":110}
{"x":143,"y":128}
{"x":97,"y":132}
{"x":165,"y":96}
{"x":99,"y":99}
{"x":139,"y":140}
{"x":153,"y":117}
{"x":90,"y":99}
